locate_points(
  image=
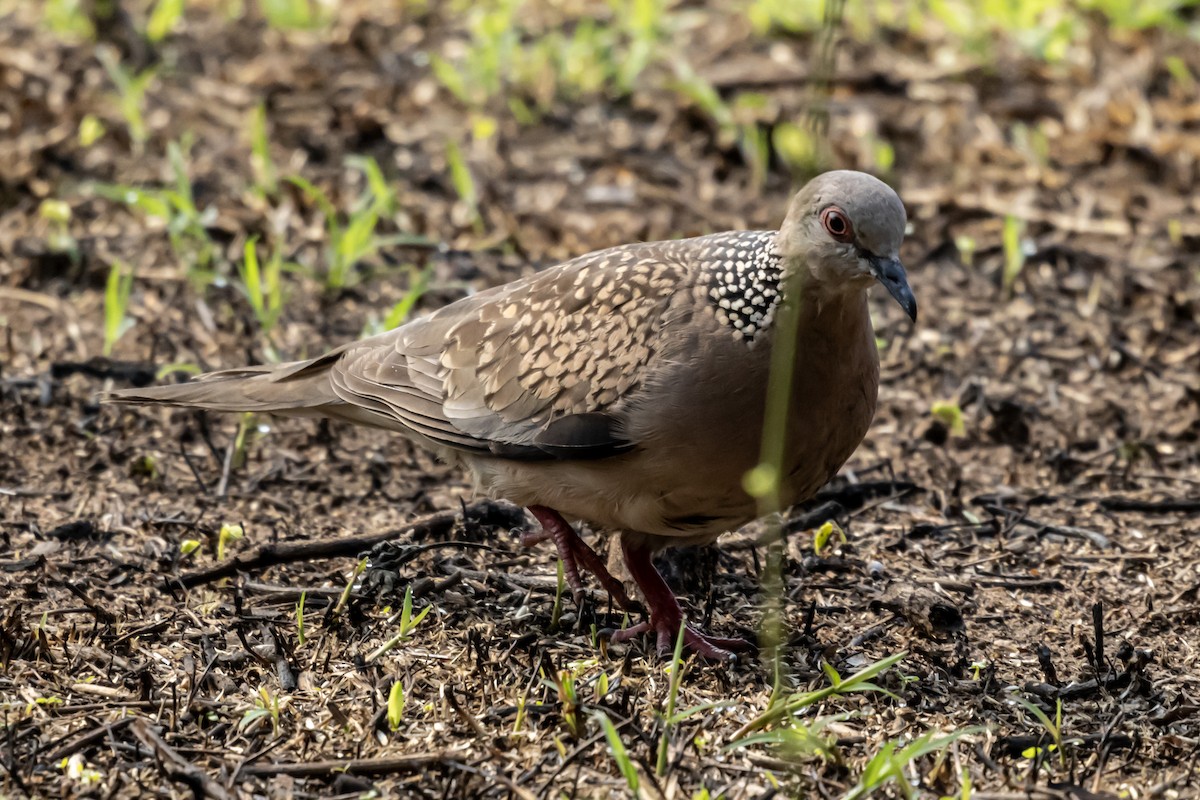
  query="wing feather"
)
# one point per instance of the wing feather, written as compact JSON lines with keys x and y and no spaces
{"x":495,"y":371}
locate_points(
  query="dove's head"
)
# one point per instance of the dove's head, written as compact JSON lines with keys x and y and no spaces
{"x":844,"y":229}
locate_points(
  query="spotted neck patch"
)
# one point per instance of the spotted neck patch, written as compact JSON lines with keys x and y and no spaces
{"x":744,"y":272}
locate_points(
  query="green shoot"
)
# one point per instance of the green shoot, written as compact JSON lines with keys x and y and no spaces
{"x":356,"y":240}
{"x":1181,"y":75}
{"x":90,"y":130}
{"x":664,"y":742}
{"x":340,"y":606}
{"x":67,"y":18}
{"x":116,"y":302}
{"x":829,"y":532}
{"x":262,"y":287}
{"x":951,"y":415}
{"x":403,"y":308}
{"x":568,"y":695}
{"x":1014,"y":253}
{"x":228,"y":535}
{"x":889,"y":764}
{"x":1053,"y":728}
{"x":187,"y":226}
{"x":166,"y":370}
{"x":296,"y":15}
{"x":965,"y":790}
{"x":380,"y":194}
{"x":464,"y":183}
{"x":57,"y":216}
{"x":617,"y":748}
{"x":966,"y":249}
{"x":188,"y":546}
{"x":800,"y":740}
{"x":400,"y":312}
{"x":300,"y":635}
{"x":519,"y":722}
{"x":797,"y":146}
{"x":395,"y":706}
{"x":858,"y":682}
{"x":131,"y":94}
{"x":163,"y":19}
{"x":242,"y":440}
{"x":266,"y":182}
{"x":408,"y":623}
{"x":266,"y":705}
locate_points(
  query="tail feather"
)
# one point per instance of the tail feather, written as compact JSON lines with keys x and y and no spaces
{"x":299,"y":388}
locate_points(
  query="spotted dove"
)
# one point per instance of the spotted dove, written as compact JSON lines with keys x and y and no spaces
{"x":627,"y":387}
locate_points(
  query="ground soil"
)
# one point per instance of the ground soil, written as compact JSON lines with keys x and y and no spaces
{"x":1048,"y":550}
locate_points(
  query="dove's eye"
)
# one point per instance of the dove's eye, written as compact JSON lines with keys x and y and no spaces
{"x":837,"y":224}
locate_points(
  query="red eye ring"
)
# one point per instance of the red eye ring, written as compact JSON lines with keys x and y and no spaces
{"x":837,"y":224}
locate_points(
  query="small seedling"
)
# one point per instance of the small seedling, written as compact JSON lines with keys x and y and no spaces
{"x":186,"y":367}
{"x":966,"y":249}
{"x":617,"y":748}
{"x":1014,"y":253}
{"x":796,"y":146}
{"x":829,"y":532}
{"x":418,"y":285}
{"x":348,"y":244}
{"x":951,"y":415}
{"x":241,"y":441}
{"x":266,"y":705}
{"x":519,"y":722}
{"x":395,"y":706}
{"x":1053,"y":728}
{"x":568,"y":695}
{"x":187,"y":226}
{"x":860,"y":681}
{"x":400,"y":312}
{"x":888,"y":765}
{"x":408,"y":623}
{"x":228,"y":535}
{"x":188,"y":546}
{"x":380,"y":194}
{"x":676,"y":667}
{"x":68,"y":18}
{"x":116,"y":303}
{"x":163,"y":18}
{"x":131,"y":94}
{"x":300,"y":635}
{"x":57,"y":216}
{"x":90,"y":130}
{"x":463,"y":182}
{"x":359,"y":568}
{"x":266,"y":181}
{"x":77,"y":770}
{"x":263,"y":289}
{"x":296,"y":15}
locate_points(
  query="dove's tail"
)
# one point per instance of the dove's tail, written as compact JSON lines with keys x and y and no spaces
{"x":298,"y":388}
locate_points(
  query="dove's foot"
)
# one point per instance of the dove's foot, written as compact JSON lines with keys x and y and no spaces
{"x":666,"y":615}
{"x":575,"y":553}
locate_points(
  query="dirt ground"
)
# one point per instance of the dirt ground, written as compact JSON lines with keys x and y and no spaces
{"x":1048,"y":550}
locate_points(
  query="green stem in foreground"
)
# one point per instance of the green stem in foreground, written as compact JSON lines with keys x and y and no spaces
{"x":765,"y":480}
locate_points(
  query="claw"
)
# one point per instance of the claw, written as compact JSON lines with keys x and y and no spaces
{"x":575,"y":553}
{"x":666,"y":615}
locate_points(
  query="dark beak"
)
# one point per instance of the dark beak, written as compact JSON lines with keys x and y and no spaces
{"x":890,"y":272}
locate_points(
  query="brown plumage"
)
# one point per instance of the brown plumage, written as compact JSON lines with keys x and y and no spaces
{"x":626,"y":387}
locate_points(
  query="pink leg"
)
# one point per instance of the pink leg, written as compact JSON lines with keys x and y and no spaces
{"x":575,"y":553}
{"x":665,"y":613}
